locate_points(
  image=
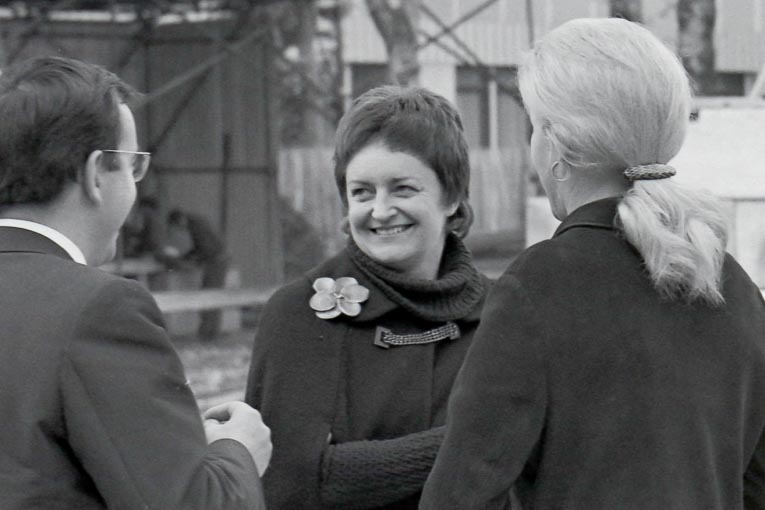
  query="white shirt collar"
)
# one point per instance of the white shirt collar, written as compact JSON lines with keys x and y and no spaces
{"x":54,"y":235}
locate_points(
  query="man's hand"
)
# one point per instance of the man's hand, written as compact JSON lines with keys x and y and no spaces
{"x":238,"y":421}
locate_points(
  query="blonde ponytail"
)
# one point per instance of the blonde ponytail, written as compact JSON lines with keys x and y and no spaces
{"x":680,"y":234}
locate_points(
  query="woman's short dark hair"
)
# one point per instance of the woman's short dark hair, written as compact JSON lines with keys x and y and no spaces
{"x":53,"y":113}
{"x":417,"y":122}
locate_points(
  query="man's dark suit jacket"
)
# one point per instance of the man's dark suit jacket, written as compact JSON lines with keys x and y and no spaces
{"x":591,"y":392}
{"x":96,"y":411}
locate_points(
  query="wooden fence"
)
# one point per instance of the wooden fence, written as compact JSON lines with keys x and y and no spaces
{"x":497,"y":191}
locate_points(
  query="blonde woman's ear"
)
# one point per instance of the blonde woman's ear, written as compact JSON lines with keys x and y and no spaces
{"x":560,"y":171}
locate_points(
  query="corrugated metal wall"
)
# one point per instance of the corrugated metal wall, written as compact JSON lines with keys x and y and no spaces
{"x":740,"y":36}
{"x":218,"y":158}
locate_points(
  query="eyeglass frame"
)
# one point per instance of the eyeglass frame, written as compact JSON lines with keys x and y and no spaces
{"x":139,"y":172}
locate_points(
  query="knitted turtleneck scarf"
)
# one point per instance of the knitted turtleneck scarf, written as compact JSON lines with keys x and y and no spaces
{"x":453,"y":295}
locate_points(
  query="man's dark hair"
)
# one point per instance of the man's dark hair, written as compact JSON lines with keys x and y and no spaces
{"x":53,"y":113}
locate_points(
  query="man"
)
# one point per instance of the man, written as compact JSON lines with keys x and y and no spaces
{"x":143,"y":233}
{"x":206,"y":250}
{"x":96,"y":409}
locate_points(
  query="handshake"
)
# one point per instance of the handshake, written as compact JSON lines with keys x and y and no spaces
{"x":240,"y":422}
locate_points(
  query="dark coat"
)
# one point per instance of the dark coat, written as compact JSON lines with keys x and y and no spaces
{"x":593,"y":393}
{"x":97,"y":412}
{"x":206,"y":243}
{"x":312,"y":377}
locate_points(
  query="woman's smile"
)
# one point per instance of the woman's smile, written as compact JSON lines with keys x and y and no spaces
{"x":390,"y":231}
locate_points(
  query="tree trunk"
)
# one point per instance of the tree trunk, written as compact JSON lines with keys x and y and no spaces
{"x":628,"y":9}
{"x":310,"y":74}
{"x":696,"y":22}
{"x":397,"y":22}
{"x":312,"y":119}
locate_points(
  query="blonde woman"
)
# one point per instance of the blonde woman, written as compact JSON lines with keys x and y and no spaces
{"x":621,"y":364}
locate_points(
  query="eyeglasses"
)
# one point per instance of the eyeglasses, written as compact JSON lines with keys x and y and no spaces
{"x":140,"y":162}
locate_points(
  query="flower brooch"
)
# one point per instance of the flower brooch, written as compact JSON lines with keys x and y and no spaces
{"x":335,"y":297}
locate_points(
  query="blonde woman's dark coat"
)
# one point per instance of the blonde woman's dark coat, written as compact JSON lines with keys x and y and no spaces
{"x":592,"y":392}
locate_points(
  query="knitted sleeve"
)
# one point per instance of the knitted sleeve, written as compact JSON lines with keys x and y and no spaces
{"x":366,"y":474}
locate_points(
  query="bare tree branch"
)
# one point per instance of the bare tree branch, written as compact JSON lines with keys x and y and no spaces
{"x":696,"y":22}
{"x":397,"y":23}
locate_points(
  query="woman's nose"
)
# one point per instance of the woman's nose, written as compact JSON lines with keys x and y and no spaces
{"x":382,"y":208}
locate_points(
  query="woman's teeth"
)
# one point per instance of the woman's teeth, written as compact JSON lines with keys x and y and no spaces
{"x":389,"y":231}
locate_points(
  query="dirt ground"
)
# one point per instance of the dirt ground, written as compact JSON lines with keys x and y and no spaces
{"x":217,"y":370}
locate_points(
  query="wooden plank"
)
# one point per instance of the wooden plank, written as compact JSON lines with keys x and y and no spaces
{"x":210,"y":299}
{"x":134,"y":266}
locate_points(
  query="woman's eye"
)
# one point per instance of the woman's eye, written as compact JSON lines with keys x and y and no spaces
{"x":360,"y":193}
{"x":405,"y":189}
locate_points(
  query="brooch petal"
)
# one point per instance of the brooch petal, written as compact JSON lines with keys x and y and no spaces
{"x":324,"y":284}
{"x":344,"y":282}
{"x":355,"y":293}
{"x":322,"y":301}
{"x":348,"y":308}
{"x":329,"y":314}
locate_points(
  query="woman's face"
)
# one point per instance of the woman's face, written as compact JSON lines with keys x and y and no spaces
{"x":396,"y":210}
{"x":542,"y":159}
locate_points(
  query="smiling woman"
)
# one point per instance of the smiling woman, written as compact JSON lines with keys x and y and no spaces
{"x":354,"y":363}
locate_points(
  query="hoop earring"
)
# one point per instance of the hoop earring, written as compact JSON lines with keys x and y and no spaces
{"x":557,"y":175}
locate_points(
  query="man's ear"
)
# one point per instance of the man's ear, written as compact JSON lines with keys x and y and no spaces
{"x":91,"y":176}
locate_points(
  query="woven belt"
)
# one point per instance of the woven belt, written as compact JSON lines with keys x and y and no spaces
{"x":385,"y":338}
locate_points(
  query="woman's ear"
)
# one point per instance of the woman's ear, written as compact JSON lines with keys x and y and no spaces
{"x":552,"y":153}
{"x":92,"y":178}
{"x":460,"y":220}
{"x":452,"y":209}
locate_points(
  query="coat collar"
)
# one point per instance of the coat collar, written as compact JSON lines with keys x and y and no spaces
{"x":19,"y":240}
{"x":378,"y":303}
{"x":597,"y":214}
